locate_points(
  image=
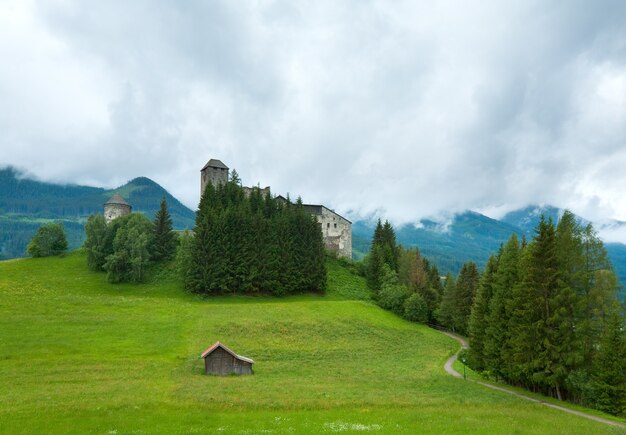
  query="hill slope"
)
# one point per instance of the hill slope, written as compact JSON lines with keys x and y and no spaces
{"x":473,"y":236}
{"x":469,"y":236}
{"x":86,"y":356}
{"x":26,"y":204}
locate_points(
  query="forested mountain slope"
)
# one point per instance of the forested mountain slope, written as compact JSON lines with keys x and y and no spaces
{"x":25,"y":204}
{"x":473,"y":236}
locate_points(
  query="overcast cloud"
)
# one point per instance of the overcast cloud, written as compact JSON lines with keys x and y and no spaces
{"x":406,"y":109}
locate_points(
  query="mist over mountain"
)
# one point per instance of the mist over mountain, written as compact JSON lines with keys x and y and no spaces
{"x":474,"y":236}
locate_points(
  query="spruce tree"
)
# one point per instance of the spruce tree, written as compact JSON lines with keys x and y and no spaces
{"x":446,"y":312}
{"x":609,"y":378}
{"x":498,"y":350}
{"x":164,"y":239}
{"x":466,"y":287}
{"x":479,"y":316}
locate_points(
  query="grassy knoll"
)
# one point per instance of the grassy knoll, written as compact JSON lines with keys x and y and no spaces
{"x":82,"y":356}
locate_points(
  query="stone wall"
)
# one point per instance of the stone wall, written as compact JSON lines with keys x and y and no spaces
{"x":215,"y":176}
{"x":337,"y":232}
{"x":112,"y":211}
{"x":248,"y":190}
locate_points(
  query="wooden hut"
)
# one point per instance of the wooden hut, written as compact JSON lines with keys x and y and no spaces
{"x":220,"y":360}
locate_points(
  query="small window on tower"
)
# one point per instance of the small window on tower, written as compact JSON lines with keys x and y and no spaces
{"x":335,"y":225}
{"x":328,"y":225}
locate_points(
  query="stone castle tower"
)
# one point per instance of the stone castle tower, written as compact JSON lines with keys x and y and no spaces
{"x":116,"y":207}
{"x":214,"y":172}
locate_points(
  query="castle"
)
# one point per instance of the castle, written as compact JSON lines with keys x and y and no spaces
{"x":336,"y":230}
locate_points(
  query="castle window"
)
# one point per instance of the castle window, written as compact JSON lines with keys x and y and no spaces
{"x":335,"y":225}
{"x":328,"y":225}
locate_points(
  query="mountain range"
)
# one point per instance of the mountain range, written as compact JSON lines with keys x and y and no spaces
{"x":25,"y":204}
{"x":474,"y":236}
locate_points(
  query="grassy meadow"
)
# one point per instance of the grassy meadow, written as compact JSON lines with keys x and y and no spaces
{"x":79,"y":355}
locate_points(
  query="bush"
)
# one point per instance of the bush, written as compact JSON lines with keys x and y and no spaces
{"x":49,"y":240}
{"x":392,"y":298}
{"x":416,"y":309}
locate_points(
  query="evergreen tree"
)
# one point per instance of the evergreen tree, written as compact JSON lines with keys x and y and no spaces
{"x":164,"y":245}
{"x":249,"y":244}
{"x":374,"y":269}
{"x":479,"y":316}
{"x":466,"y":287}
{"x":609,"y":379}
{"x":446,"y":311}
{"x":498,"y":348}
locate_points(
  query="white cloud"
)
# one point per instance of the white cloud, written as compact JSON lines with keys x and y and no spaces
{"x":418,"y":109}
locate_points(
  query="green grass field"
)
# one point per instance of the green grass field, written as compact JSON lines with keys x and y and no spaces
{"x":78,"y":355}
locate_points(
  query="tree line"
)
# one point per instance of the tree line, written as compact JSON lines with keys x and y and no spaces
{"x":251,"y":244}
{"x":402,"y":280}
{"x":125,"y":247}
{"x":544,"y":314}
{"x":546,"y":317}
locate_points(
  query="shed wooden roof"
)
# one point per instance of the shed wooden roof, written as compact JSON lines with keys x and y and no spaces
{"x":219,"y":344}
{"x":214,"y":163}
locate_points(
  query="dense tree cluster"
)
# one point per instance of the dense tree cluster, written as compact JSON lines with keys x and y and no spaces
{"x":125,"y":247}
{"x":402,"y":280}
{"x":543,"y":315}
{"x":251,"y":244}
{"x":49,"y":240}
{"x":546,"y":317}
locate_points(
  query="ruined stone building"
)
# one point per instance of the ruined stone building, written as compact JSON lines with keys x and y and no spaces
{"x":336,"y":230}
{"x":115,"y":207}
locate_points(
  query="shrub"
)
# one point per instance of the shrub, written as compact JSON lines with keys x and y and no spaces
{"x":416,"y":309}
{"x":49,"y":240}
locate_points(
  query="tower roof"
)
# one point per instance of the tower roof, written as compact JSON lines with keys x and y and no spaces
{"x":116,"y":199}
{"x":214,"y":163}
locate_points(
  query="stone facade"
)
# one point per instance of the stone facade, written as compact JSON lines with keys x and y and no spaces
{"x":336,"y":230}
{"x":214,"y":172}
{"x":116,"y":207}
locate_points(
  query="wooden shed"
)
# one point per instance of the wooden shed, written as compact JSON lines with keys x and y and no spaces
{"x":220,"y":360}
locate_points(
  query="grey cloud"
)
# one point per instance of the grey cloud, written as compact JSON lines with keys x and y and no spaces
{"x":415,"y":109}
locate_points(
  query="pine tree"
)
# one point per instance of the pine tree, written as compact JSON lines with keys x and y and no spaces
{"x":164,"y":241}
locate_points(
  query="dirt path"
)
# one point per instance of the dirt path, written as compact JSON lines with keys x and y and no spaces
{"x":450,"y":369}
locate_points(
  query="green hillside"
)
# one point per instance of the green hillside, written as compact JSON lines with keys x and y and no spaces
{"x":78,"y":355}
{"x":471,"y":236}
{"x":27,"y":204}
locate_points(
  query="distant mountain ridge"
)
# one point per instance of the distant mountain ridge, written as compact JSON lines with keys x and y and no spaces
{"x":471,"y":236}
{"x":26,"y":204}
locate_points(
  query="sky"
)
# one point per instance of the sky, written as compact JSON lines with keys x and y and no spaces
{"x":404,"y":110}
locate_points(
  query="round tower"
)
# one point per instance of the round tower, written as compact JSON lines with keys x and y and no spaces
{"x":116,"y":207}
